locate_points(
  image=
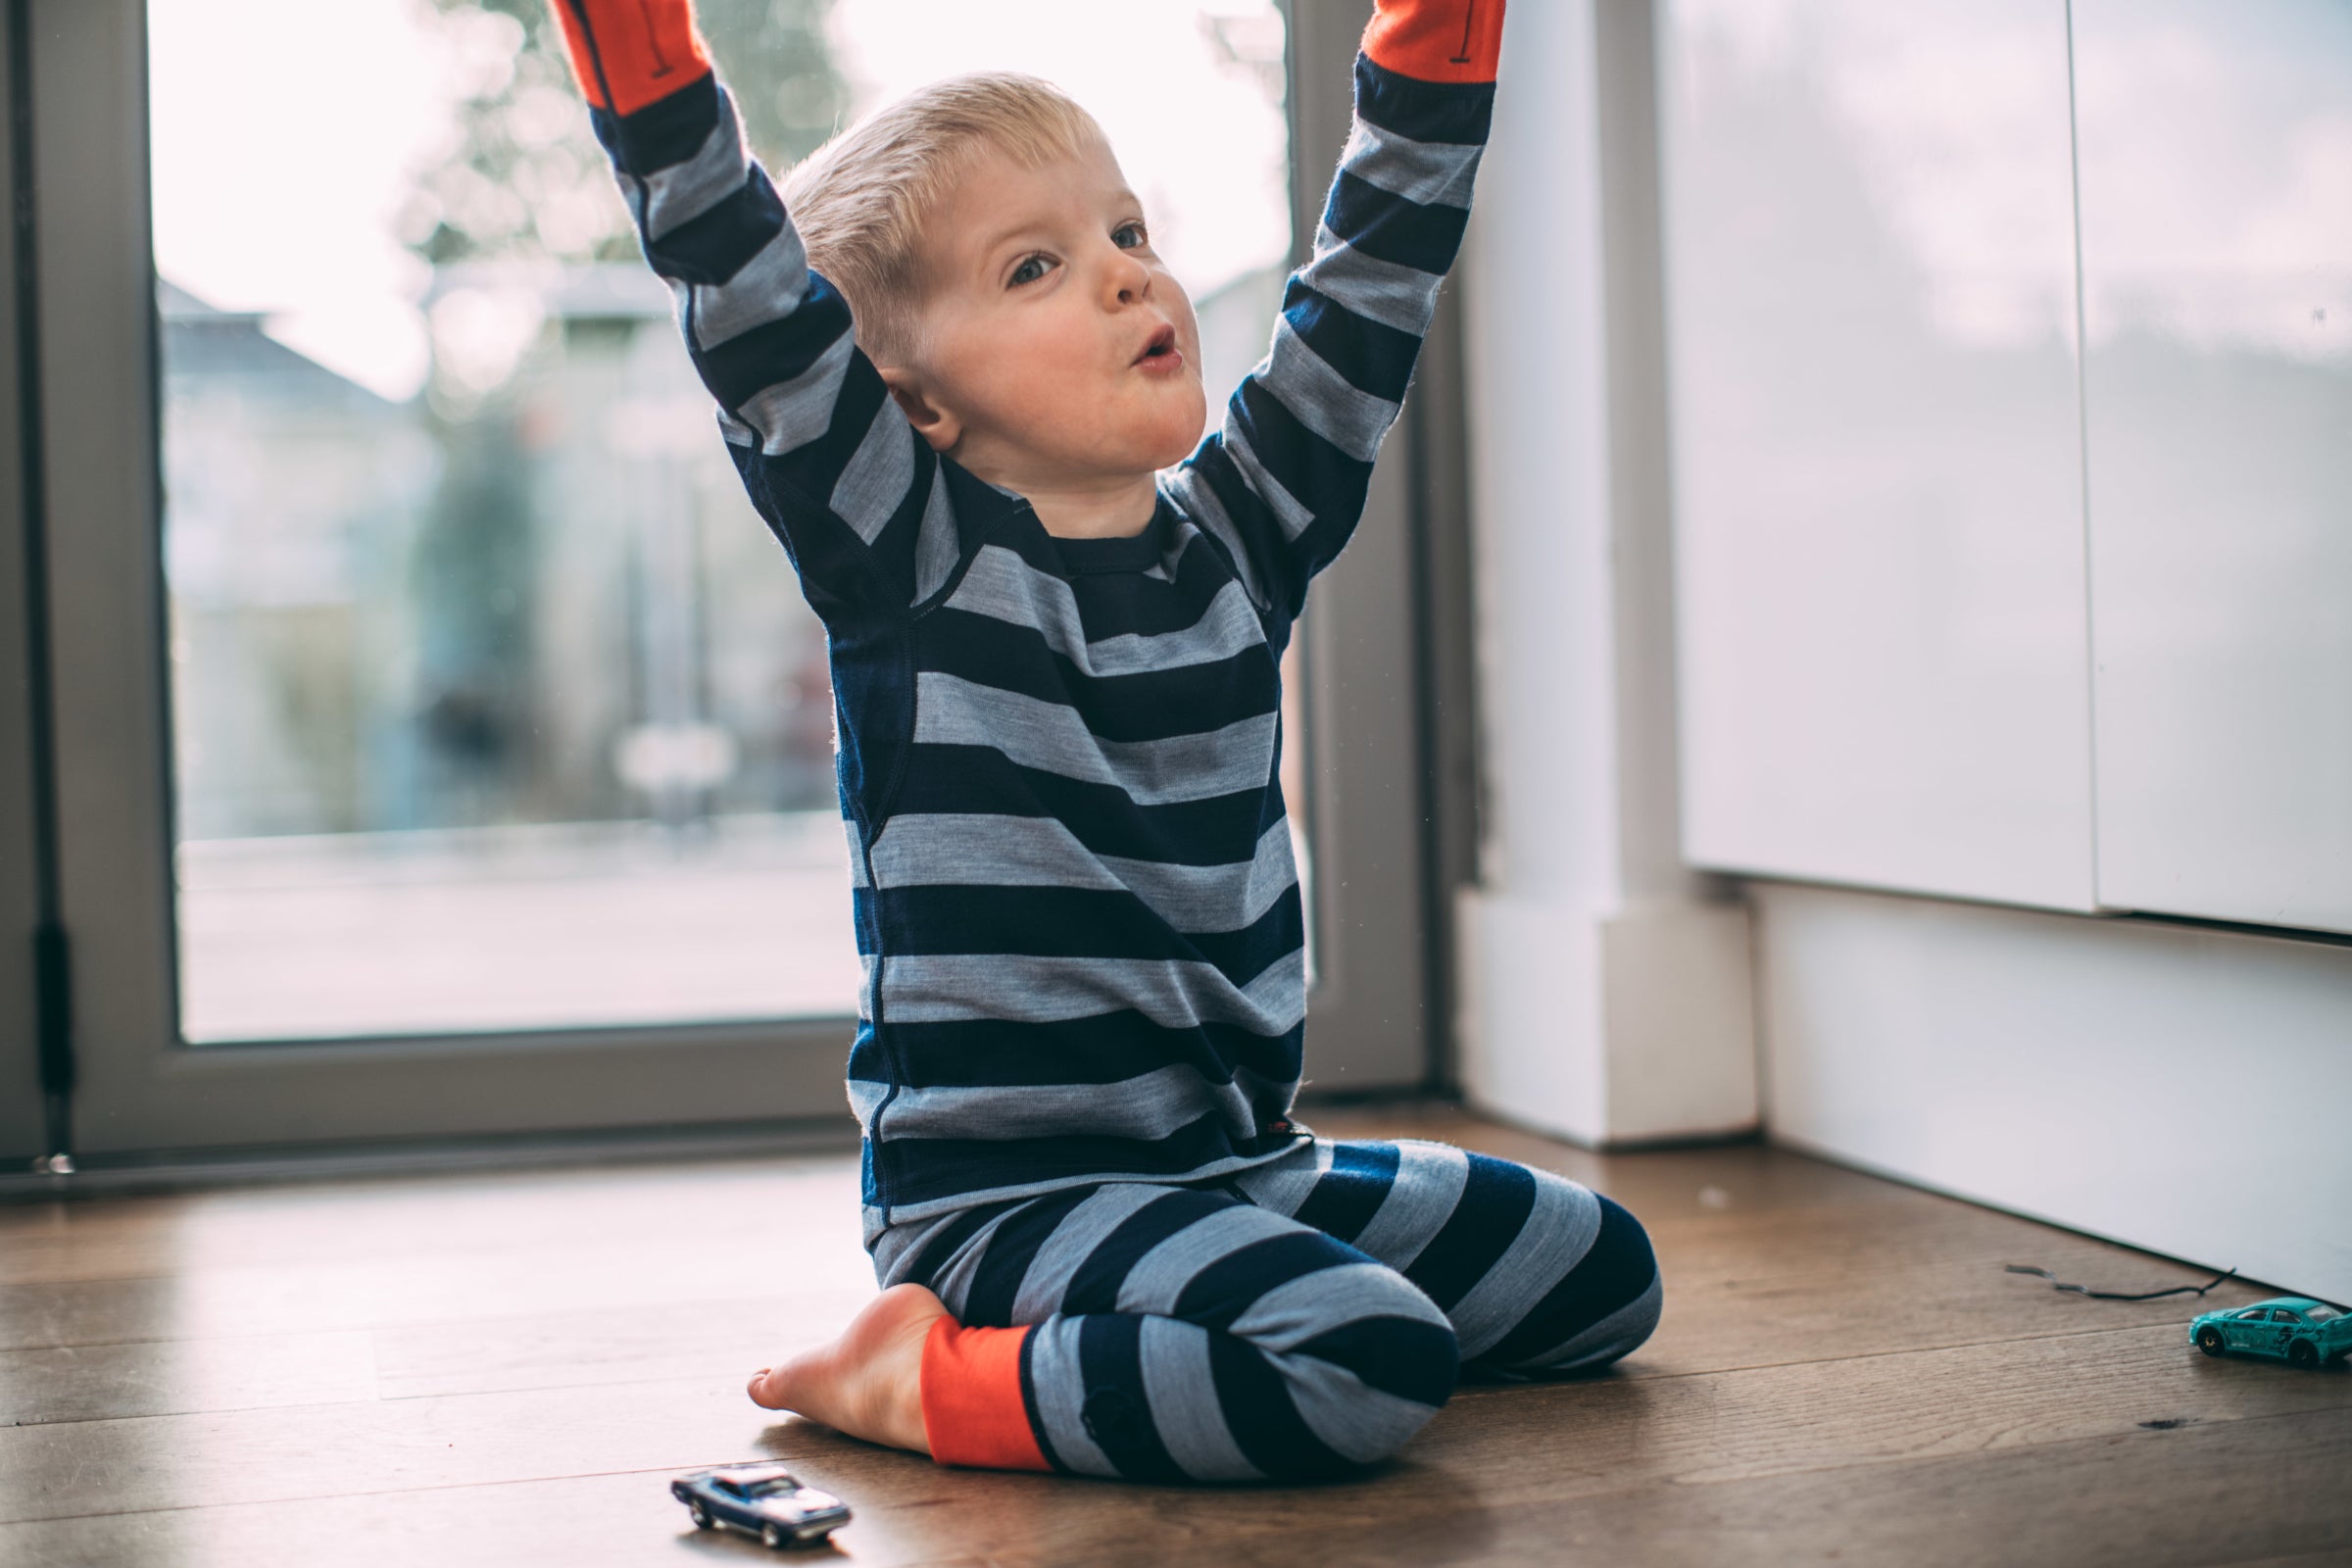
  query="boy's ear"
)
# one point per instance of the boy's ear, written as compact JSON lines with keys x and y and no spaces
{"x":935,"y":425}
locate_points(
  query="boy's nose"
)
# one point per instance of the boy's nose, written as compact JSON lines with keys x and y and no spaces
{"x":1126,"y":279}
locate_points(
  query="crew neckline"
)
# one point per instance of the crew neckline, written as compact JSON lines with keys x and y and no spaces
{"x":1125,"y":552}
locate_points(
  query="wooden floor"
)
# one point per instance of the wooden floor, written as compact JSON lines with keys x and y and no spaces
{"x":504,"y":1369}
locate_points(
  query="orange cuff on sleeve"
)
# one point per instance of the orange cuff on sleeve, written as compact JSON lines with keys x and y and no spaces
{"x":646,"y":49}
{"x":1436,"y":40}
{"x":973,"y":1411}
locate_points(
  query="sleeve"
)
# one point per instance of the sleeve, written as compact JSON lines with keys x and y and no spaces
{"x":1283,"y":482}
{"x":863,"y":506}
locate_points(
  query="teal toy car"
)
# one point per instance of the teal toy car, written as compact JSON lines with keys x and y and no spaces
{"x":2305,"y":1332}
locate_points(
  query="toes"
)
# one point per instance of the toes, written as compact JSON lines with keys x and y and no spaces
{"x":758,"y":1390}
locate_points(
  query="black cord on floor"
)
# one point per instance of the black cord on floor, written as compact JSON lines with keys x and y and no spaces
{"x":2057,"y":1284}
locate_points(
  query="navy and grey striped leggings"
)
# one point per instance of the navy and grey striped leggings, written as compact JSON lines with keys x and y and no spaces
{"x":1300,"y":1320}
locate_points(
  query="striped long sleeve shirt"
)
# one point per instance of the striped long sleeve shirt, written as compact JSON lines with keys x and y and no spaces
{"x":1075,"y":900}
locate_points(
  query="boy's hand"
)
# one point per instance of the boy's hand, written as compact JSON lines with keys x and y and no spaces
{"x":1436,"y":40}
{"x":630,"y":53}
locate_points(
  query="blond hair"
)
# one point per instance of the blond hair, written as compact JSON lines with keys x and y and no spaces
{"x":859,"y":201}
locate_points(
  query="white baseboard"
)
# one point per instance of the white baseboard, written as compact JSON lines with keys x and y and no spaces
{"x":1608,"y":1028}
{"x":2182,"y":1090}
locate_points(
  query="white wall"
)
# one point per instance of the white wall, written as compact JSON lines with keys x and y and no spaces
{"x":1604,"y":992}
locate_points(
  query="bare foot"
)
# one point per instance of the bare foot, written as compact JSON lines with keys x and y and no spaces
{"x":869,"y":1381}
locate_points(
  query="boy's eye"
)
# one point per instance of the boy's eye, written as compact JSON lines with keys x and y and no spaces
{"x":1032,"y":269}
{"x":1119,"y":237}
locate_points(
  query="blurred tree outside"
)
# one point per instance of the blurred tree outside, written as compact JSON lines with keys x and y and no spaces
{"x":517,"y":213}
{"x":525,"y":178}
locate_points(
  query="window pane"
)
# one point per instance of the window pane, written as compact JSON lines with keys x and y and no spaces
{"x":494,"y":705}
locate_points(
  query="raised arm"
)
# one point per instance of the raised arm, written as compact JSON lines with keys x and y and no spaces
{"x":860,"y":501}
{"x":1284,"y":481}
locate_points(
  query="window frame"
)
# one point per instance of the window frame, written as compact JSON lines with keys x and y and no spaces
{"x":21,"y":1134}
{"x":1380,"y":908}
{"x":143,"y":1091}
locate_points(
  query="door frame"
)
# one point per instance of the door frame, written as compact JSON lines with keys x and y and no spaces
{"x":142,"y":1090}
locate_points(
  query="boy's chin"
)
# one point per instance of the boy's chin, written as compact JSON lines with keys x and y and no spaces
{"x":1177,"y":441}
{"x":1144,"y":445}
{"x":1162,"y":445}
{"x":1176,"y":449}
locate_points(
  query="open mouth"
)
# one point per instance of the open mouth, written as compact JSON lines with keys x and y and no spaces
{"x":1162,"y":347}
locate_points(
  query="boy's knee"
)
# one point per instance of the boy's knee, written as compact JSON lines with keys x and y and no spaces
{"x":1623,"y":1289}
{"x":1410,"y":1358}
{"x":1605,"y":1304}
{"x":1365,"y":1360}
{"x":1629,"y":1269}
{"x":1364,"y":1388}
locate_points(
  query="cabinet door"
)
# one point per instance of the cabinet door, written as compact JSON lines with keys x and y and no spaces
{"x":2217,"y":275}
{"x":1882,"y":647}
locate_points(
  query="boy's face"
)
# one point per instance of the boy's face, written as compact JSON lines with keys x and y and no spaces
{"x":1054,"y":349}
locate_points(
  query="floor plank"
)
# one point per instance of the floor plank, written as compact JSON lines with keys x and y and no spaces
{"x":544,"y":1254}
{"x":398,"y":1219}
{"x":506,"y":1368}
{"x":113,"y":1381}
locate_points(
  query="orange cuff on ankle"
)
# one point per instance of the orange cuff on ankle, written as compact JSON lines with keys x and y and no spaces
{"x":973,"y":1411}
{"x":1436,"y":40}
{"x":646,"y":49}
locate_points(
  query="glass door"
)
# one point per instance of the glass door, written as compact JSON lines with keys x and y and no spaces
{"x":444,"y":745}
{"x":494,"y":706}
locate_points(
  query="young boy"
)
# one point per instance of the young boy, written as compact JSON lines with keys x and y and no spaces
{"x":1106,"y":1247}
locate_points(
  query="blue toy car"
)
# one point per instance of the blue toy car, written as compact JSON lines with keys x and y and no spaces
{"x":763,"y":1498}
{"x":2307,"y":1333}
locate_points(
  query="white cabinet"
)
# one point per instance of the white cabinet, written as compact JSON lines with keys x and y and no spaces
{"x":1947,"y":626}
{"x":2217,"y":273}
{"x":1882,"y":635}
{"x":2178,"y":1090}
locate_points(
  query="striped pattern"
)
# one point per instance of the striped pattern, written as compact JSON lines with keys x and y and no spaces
{"x":1058,"y":759}
{"x":1301,"y":1321}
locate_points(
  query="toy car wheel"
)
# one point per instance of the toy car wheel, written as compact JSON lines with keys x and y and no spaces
{"x":702,"y":1515}
{"x":2303,"y":1353}
{"x":2209,"y":1340}
{"x":774,"y":1537}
